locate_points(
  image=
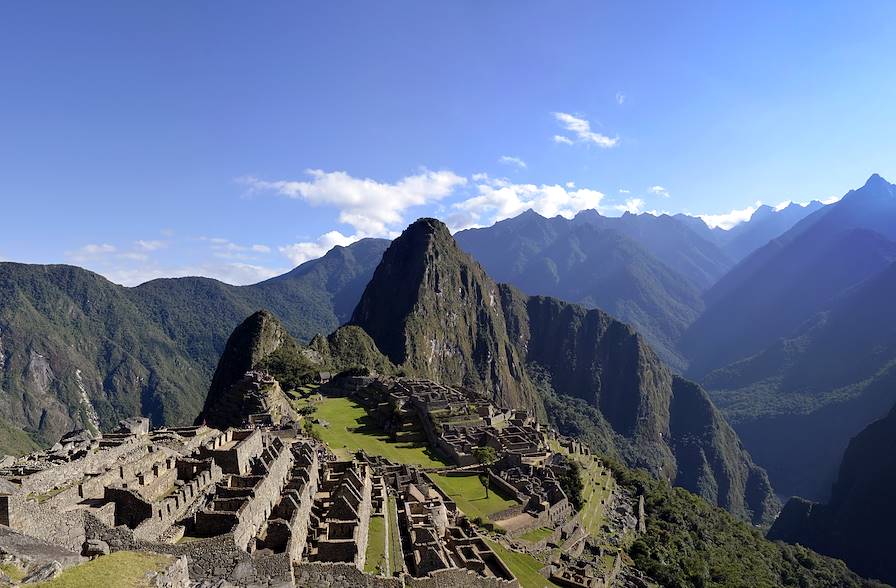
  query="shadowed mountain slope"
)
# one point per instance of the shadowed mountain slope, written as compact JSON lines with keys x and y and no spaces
{"x":601,"y":263}
{"x":855,"y":525}
{"x":780,"y":286}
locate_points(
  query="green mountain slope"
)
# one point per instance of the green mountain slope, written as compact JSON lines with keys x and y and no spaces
{"x":432,"y":310}
{"x":797,"y":403}
{"x":79,"y":351}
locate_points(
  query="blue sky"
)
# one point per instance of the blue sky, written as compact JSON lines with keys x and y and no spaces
{"x":236,"y":139}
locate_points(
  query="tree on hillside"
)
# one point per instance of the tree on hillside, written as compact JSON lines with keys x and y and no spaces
{"x":571,"y":483}
{"x":486,"y":456}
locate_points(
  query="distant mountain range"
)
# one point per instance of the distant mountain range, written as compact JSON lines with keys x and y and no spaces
{"x":649,"y":271}
{"x":807,"y":328}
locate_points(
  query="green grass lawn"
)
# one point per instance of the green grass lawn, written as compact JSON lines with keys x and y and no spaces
{"x":123,"y":569}
{"x":536,"y":535}
{"x":376,"y":547}
{"x":524,"y":566}
{"x":351,"y":429}
{"x":469,"y":494}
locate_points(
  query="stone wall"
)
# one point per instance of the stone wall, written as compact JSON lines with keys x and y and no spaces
{"x":234,"y":449}
{"x":340,"y":575}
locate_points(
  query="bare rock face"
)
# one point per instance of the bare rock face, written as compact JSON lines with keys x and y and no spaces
{"x":43,"y":573}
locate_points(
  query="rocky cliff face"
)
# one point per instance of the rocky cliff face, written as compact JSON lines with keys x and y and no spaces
{"x":435,"y":312}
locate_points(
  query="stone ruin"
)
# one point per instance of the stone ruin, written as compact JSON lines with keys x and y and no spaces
{"x":262,"y":505}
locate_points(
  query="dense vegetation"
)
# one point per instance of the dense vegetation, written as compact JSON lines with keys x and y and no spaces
{"x":691,"y":543}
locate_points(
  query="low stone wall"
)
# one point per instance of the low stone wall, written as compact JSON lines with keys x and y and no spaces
{"x":177,"y":575}
{"x":338,"y":575}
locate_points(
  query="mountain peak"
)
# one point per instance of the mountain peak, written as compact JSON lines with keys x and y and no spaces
{"x":427,"y":226}
{"x":876,"y":181}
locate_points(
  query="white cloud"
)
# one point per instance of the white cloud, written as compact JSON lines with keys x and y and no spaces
{"x":659,"y":191}
{"x":624,"y":191}
{"x":227,"y":249}
{"x":782,"y":205}
{"x":150,"y":245}
{"x":231,"y":273}
{"x":301,"y":252}
{"x":499,"y":199}
{"x":91,"y":251}
{"x":620,"y":98}
{"x":729,"y":219}
{"x":581,"y":128}
{"x":632,"y":205}
{"x":513,"y":161}
{"x":371,"y":207}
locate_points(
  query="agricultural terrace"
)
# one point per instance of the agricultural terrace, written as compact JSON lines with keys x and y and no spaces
{"x":598,"y":485}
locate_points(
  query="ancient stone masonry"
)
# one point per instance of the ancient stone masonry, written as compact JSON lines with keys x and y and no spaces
{"x":262,"y":505}
{"x":455,"y":421}
{"x":341,"y":515}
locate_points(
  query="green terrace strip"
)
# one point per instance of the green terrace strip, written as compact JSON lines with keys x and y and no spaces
{"x":598,"y":487}
{"x":375,"y":563}
{"x":536,"y":535}
{"x":349,"y":428}
{"x":524,"y":566}
{"x":395,"y":550}
{"x":123,"y":569}
{"x":470,"y":495}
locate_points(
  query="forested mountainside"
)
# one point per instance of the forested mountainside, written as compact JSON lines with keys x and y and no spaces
{"x":79,"y":351}
{"x":435,"y":312}
{"x":799,"y":402}
{"x":854,"y":525}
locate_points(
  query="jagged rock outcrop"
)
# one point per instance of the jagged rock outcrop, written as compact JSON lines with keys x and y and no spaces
{"x":856,"y":524}
{"x":236,"y":390}
{"x":433,"y":310}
